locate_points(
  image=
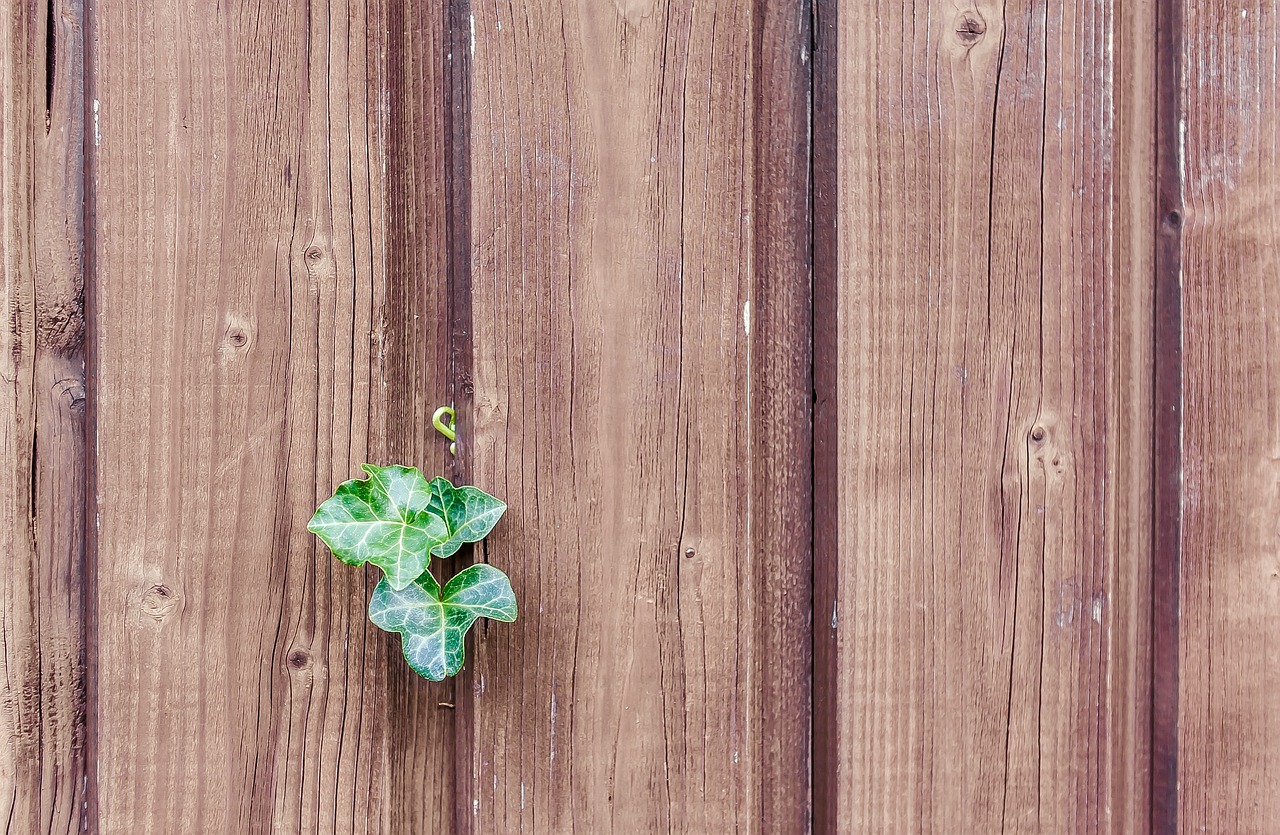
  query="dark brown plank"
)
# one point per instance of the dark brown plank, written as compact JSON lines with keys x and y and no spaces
{"x":1166,"y":442}
{"x":245,"y":342}
{"x":989,"y":615}
{"x":42,"y":408}
{"x":415,"y":339}
{"x":1228,"y":156}
{"x":826,"y":417}
{"x":616,"y":300}
{"x":781,"y":419}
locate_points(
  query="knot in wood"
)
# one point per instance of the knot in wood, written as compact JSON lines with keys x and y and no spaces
{"x":1037,"y":434}
{"x":970,"y":27}
{"x":72,"y":390}
{"x":158,"y":602}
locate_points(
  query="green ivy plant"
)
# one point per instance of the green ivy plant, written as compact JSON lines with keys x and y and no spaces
{"x":397,"y":520}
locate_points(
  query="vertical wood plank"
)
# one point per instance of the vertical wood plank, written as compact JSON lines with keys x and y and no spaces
{"x":826,"y":414}
{"x":1166,"y":435}
{"x":414,"y":346}
{"x":780,"y":395}
{"x":248,"y":349}
{"x":42,"y":399}
{"x":988,"y":645}
{"x":1228,"y":144}
{"x":1127,"y":712}
{"x":615,"y":292}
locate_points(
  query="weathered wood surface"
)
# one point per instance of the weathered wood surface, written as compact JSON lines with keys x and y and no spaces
{"x":42,"y":412}
{"x":992,"y":419}
{"x":251,"y":352}
{"x":616,"y":284}
{"x":1229,"y":671}
{"x":1036,"y":360}
{"x":414,"y":341}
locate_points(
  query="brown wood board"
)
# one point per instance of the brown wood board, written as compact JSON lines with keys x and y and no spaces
{"x":1228,"y":156}
{"x":251,"y":351}
{"x":990,"y":450}
{"x":616,"y":281}
{"x":42,"y":413}
{"x":423,"y":717}
{"x":884,"y":397}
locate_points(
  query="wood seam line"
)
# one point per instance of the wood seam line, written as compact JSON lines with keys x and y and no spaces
{"x":825,"y":489}
{"x":461,"y":368}
{"x":1167,"y":425}
{"x":90,"y":558}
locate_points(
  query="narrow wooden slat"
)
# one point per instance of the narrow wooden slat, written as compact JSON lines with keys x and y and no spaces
{"x":241,"y":335}
{"x":42,"y":398}
{"x":1166,"y":440}
{"x":1228,"y":152}
{"x":826,"y":415}
{"x":616,"y":291}
{"x":415,"y":335}
{"x":989,"y":614}
{"x":1127,"y":711}
{"x":781,"y":418}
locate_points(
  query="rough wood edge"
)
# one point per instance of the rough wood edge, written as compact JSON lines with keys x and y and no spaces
{"x":826,"y":418}
{"x":1166,"y":425}
{"x":781,"y":409}
{"x":91,"y":377}
{"x":461,"y":367}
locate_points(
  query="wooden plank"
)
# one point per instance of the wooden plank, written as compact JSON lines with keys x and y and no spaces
{"x":1228,"y":144}
{"x":988,"y":614}
{"x":781,"y":418}
{"x":251,"y":352}
{"x":1166,"y":440}
{"x":42,"y":409}
{"x":415,"y":379}
{"x":615,"y":289}
{"x":1128,"y":710}
{"x":826,"y":423}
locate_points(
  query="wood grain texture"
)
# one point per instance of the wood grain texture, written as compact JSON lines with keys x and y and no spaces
{"x":989,"y":654}
{"x":1229,"y":150}
{"x":42,"y":409}
{"x":414,"y":346}
{"x":615,"y":289}
{"x":1166,"y":434}
{"x":243,"y":349}
{"x":826,"y":423}
{"x":780,"y":397}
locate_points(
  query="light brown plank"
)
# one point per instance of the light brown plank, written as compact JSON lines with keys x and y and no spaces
{"x":614,"y":289}
{"x":42,"y":408}
{"x":1229,"y":151}
{"x":990,"y":470}
{"x":241,"y":318}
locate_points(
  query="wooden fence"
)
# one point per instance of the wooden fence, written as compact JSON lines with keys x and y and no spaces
{"x":887,"y":398}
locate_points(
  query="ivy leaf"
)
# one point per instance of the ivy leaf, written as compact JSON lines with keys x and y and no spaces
{"x":384,"y":520}
{"x":469,"y":512}
{"x":433,"y":623}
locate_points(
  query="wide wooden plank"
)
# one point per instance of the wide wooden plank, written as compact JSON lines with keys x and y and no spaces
{"x":989,"y":608}
{"x":250,"y":354}
{"x":616,"y":287}
{"x":42,"y":412}
{"x":1228,"y":151}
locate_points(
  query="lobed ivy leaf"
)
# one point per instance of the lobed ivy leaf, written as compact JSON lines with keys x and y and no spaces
{"x":384,"y":520}
{"x":469,"y":512}
{"x":433,"y":623}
